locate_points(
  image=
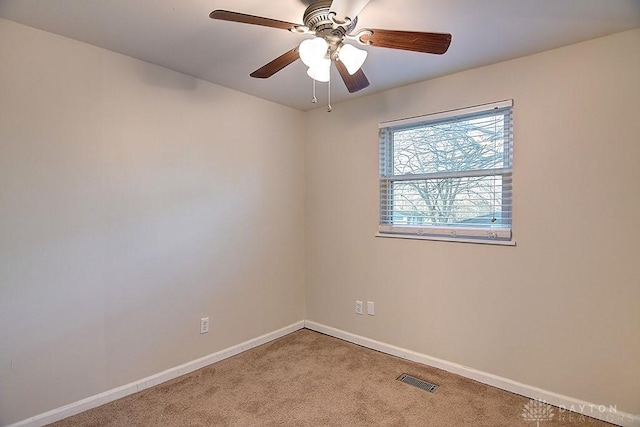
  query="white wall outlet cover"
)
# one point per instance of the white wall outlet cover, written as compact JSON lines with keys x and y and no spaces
{"x":359,"y":307}
{"x":204,"y":325}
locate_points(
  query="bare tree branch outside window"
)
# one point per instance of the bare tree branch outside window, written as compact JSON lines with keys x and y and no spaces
{"x":454,"y":147}
{"x":448,"y":175}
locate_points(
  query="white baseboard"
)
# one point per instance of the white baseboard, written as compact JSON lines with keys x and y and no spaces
{"x":153,"y":380}
{"x":565,"y":405}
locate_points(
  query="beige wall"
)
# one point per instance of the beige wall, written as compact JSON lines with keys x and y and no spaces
{"x":134,"y":201}
{"x":561,"y":310}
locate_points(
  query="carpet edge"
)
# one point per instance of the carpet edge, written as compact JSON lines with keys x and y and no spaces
{"x":564,"y":403}
{"x":153,"y":380}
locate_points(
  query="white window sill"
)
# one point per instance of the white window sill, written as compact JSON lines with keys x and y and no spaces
{"x":448,"y":239}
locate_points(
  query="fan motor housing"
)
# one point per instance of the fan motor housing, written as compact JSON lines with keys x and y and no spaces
{"x":317,"y":18}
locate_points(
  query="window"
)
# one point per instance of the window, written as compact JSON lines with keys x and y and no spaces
{"x":447,"y":176}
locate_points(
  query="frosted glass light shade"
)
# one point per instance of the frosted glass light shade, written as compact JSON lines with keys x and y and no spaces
{"x":321,"y":71}
{"x":352,"y":57}
{"x":313,"y":51}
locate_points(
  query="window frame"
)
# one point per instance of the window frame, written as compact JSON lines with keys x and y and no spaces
{"x":491,"y":234}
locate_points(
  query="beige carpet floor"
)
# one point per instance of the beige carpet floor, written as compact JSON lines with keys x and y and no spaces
{"x":310,"y":379}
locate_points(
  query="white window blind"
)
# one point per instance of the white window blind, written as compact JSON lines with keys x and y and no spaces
{"x":448,"y":175}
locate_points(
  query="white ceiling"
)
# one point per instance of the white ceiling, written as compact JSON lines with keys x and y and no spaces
{"x":180,"y":35}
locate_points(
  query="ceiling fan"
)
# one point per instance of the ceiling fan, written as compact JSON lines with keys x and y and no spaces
{"x":333,"y":24}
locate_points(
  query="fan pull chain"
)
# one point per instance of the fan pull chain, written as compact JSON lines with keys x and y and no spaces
{"x":314,"y":100}
{"x":329,"y":108}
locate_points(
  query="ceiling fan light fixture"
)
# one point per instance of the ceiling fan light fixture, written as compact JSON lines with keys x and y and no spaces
{"x":321,"y":72}
{"x":313,"y":51}
{"x":352,"y":57}
{"x":330,"y":23}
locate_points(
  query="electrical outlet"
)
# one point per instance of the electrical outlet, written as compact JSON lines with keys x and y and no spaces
{"x":204,"y":325}
{"x":370,"y":308}
{"x":358,"y":307}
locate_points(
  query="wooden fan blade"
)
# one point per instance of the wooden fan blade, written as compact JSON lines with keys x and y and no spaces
{"x":347,"y":8}
{"x":415,"y":41}
{"x":226,"y":15}
{"x":276,"y":65}
{"x":355,"y":82}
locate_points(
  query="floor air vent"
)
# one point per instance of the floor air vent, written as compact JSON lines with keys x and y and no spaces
{"x":417,"y":382}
